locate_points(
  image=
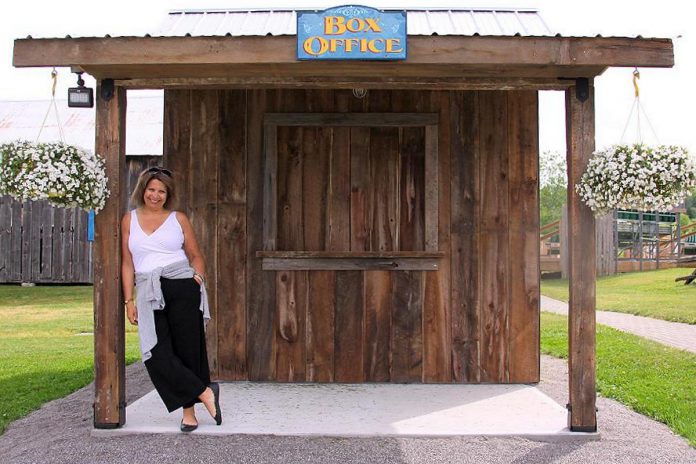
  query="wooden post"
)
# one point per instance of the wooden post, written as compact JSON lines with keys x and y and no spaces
{"x":581,"y":262}
{"x":109,"y":323}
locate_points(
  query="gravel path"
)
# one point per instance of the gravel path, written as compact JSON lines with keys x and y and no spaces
{"x":60,"y":433}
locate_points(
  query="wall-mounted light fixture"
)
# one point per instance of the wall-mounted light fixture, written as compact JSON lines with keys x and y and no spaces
{"x":80,"y":96}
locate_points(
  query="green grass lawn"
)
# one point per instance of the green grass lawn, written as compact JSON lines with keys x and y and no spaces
{"x":652,"y":294}
{"x":46,"y":346}
{"x":650,"y":378}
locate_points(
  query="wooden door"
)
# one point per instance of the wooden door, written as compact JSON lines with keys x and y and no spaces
{"x":350,"y":229}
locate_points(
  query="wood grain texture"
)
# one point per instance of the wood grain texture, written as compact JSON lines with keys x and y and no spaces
{"x":464,"y":236}
{"x":109,"y":325}
{"x":291,"y":300}
{"x":232,"y":237}
{"x":361,"y":192}
{"x":523,"y":199}
{"x":202,"y":211}
{"x":170,"y":53}
{"x":350,"y":254}
{"x":349,"y":341}
{"x":432,"y":187}
{"x":25,"y":248}
{"x":407,"y":327}
{"x":343,"y":85}
{"x":350,"y":119}
{"x":437,"y":321}
{"x":176,"y":148}
{"x":339,"y":194}
{"x":60,"y":243}
{"x":412,"y":189}
{"x":321,"y":303}
{"x":378,"y":313}
{"x":494,"y":240}
{"x":580,"y":129}
{"x":5,"y":237}
{"x":384,"y":176}
{"x":261,"y":285}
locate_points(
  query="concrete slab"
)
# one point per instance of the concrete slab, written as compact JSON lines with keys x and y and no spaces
{"x":364,"y":410}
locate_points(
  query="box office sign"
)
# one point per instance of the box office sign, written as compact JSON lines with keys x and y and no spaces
{"x":351,"y":33}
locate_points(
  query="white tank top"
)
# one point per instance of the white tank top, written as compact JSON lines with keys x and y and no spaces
{"x":161,"y":248}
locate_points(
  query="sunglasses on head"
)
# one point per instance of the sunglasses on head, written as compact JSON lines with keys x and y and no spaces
{"x":156,"y":169}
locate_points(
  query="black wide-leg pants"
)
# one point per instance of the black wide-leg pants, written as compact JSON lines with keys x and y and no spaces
{"x":178,"y":367}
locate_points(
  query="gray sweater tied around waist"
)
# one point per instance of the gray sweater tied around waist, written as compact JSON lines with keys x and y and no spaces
{"x":149,"y":299}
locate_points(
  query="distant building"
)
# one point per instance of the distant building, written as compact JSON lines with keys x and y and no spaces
{"x":22,"y":120}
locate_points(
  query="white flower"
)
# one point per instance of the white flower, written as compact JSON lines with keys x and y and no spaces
{"x":66,"y":175}
{"x":637,"y":177}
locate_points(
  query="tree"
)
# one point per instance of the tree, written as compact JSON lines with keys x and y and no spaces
{"x":552,"y":186}
{"x":690,"y":205}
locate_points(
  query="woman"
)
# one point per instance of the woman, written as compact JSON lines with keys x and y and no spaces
{"x":161,"y":257}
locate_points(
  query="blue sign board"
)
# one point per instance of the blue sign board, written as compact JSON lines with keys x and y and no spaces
{"x":90,"y":225}
{"x":351,"y":32}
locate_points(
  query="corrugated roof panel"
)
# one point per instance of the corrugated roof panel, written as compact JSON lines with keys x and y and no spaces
{"x":509,"y":23}
{"x":232,"y":25}
{"x":464,"y":23}
{"x":417,"y":23}
{"x":486,"y":23}
{"x":534,"y":24}
{"x":281,"y":21}
{"x":420,"y":22}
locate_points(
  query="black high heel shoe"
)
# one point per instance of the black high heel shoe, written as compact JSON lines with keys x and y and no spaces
{"x":215,"y":387}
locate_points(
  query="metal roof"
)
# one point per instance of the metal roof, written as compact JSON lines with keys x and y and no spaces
{"x":22,"y":120}
{"x":467,"y":22}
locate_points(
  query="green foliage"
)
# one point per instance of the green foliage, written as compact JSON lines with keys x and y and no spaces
{"x":651,"y":293}
{"x":46,"y":346}
{"x":552,"y":186}
{"x":552,"y":198}
{"x":690,"y":204}
{"x":650,"y":378}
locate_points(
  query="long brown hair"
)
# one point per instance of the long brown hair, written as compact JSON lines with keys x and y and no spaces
{"x":161,"y":174}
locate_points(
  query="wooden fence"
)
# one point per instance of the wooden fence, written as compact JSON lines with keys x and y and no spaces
{"x":604,"y":241}
{"x":40,"y":243}
{"x":43,"y":244}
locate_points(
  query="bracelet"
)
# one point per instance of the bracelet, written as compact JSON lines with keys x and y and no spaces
{"x":128,"y":301}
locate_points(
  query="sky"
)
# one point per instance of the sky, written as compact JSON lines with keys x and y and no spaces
{"x":667,"y":96}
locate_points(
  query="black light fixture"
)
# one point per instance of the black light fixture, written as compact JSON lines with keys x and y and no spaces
{"x":80,"y":96}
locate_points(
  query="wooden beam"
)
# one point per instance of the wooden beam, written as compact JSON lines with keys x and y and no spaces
{"x":582,"y":270}
{"x":470,"y":50}
{"x":290,"y":81}
{"x":109,"y":324}
{"x":350,"y":264}
{"x":345,"y":72}
{"x":351,"y":119}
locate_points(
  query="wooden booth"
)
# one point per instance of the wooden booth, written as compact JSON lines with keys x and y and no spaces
{"x":362,"y":221}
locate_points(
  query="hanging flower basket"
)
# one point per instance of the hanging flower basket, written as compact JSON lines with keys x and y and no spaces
{"x":637,"y":177}
{"x":64,"y":175}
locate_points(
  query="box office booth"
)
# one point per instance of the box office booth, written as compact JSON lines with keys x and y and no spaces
{"x":362,"y":221}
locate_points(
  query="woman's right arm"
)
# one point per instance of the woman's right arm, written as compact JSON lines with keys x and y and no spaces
{"x":128,"y":271}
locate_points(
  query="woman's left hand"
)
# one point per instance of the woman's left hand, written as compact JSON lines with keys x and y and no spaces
{"x":197,"y":277}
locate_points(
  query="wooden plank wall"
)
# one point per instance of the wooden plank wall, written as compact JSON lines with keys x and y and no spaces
{"x":475,"y":319}
{"x":43,"y":244}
